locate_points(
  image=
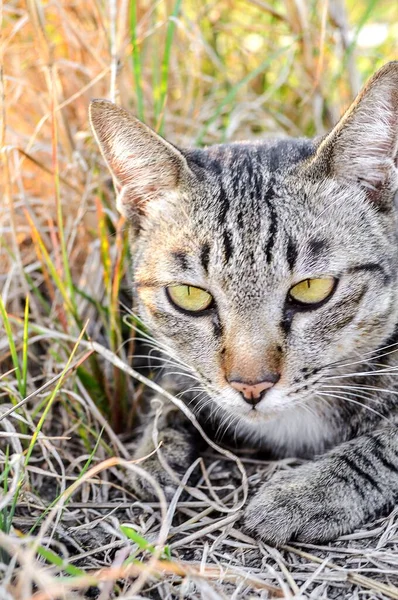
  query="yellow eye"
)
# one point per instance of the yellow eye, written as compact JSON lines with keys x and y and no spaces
{"x":312,"y":291}
{"x":190,"y":298}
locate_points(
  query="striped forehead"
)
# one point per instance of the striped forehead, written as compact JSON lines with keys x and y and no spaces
{"x":251,"y":240}
{"x":244,"y":187}
{"x":246,"y":220}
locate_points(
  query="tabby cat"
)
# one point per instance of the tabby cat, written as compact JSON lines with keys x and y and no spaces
{"x":269,"y":272}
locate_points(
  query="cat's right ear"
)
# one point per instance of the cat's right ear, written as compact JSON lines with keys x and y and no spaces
{"x":145,"y":166}
{"x":363,"y":147}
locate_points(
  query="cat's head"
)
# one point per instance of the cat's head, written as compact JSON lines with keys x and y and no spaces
{"x":259,"y":264}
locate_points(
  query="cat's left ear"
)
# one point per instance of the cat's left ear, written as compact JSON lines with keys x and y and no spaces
{"x":363,"y":147}
{"x":145,"y":166}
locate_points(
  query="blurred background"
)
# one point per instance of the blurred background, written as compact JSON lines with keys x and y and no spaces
{"x":199,"y":72}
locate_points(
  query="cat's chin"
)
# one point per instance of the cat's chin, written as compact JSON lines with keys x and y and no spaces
{"x":256,"y":416}
{"x":289,"y":430}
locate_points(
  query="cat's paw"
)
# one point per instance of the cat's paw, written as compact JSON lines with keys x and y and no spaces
{"x":308,"y":504}
{"x":179,"y":452}
{"x":143,"y":487}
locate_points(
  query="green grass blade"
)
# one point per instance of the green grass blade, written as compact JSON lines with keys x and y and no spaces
{"x":5,"y":521}
{"x":58,"y":561}
{"x":135,"y":537}
{"x":11,"y":344}
{"x":142,"y":543}
{"x":164,"y":70}
{"x":32,"y":286}
{"x":137,"y":62}
{"x":362,"y":22}
{"x":82,"y":472}
{"x":70,"y":306}
{"x":230,"y":97}
{"x":60,"y":219}
{"x":90,"y":458}
{"x":25,"y":341}
{"x":52,"y":397}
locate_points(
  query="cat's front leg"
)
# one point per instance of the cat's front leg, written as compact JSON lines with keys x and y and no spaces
{"x":179,"y":444}
{"x":331,"y":496}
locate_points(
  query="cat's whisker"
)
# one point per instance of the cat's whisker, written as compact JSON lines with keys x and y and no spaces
{"x":365,"y":387}
{"x":182,"y":374}
{"x":200,"y":395}
{"x":188,"y":391}
{"x":238,"y":422}
{"x":203,"y":403}
{"x":233,"y":421}
{"x":144,"y":336}
{"x":225,"y":425}
{"x":172,"y":360}
{"x":341,"y":363}
{"x":154,"y":345}
{"x":165,"y":360}
{"x":363,"y":356}
{"x":308,"y":408}
{"x":364,"y":360}
{"x":147,"y":338}
{"x":213,"y":413}
{"x":168,"y":364}
{"x":325,"y":400}
{"x":344,"y":388}
{"x":157,"y":358}
{"x":200,"y":401}
{"x":365,"y":396}
{"x":164,"y":350}
{"x":382,"y":348}
{"x":228,"y":423}
{"x":164,"y":366}
{"x":369,"y":408}
{"x":379,"y":372}
{"x":221,"y":424}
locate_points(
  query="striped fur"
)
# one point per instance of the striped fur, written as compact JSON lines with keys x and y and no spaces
{"x":247,"y":221}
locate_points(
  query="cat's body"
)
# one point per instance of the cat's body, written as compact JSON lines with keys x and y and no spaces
{"x":243,"y":226}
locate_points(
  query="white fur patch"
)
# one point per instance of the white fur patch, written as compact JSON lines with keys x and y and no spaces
{"x":288,"y":428}
{"x":294,"y":432}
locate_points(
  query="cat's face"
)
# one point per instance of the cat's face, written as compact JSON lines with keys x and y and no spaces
{"x":246,"y":223}
{"x":248,"y":235}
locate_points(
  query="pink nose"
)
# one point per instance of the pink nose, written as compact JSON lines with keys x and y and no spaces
{"x":254,"y":392}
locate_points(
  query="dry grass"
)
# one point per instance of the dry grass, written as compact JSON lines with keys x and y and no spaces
{"x":201,"y":72}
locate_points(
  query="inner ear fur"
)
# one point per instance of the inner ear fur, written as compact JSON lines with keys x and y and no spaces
{"x":362,"y":148}
{"x":144,"y":165}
